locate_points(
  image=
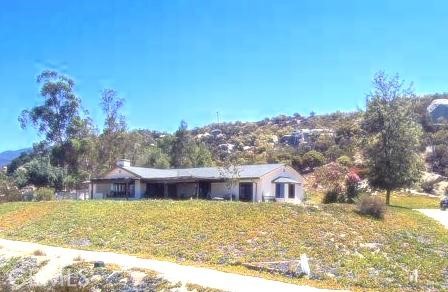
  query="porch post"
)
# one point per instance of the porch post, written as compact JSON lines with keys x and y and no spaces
{"x":137,"y":189}
{"x":165,"y":190}
{"x":93,"y":190}
{"x":254,"y":192}
{"x":127,"y":190}
{"x":197,"y":190}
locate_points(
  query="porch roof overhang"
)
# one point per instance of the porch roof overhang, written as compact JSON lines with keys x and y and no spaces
{"x":113,"y":180}
{"x":186,"y":179}
{"x":285,"y":180}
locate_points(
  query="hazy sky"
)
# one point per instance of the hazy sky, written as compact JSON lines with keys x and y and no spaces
{"x":176,"y":60}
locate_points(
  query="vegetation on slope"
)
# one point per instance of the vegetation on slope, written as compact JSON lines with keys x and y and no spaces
{"x":345,"y":249}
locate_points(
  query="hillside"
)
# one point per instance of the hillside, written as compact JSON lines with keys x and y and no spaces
{"x":7,"y":156}
{"x":280,"y":138}
{"x":346,"y":250}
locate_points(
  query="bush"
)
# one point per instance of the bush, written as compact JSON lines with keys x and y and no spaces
{"x":8,"y":190}
{"x":428,"y":186}
{"x":352,"y":186}
{"x":313,"y":159}
{"x":333,"y":196}
{"x":44,"y":194}
{"x":344,"y":160}
{"x":372,"y":206}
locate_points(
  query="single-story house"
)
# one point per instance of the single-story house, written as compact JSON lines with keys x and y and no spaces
{"x":255,"y":183}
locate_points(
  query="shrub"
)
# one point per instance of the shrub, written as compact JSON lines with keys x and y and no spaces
{"x":372,"y":206}
{"x":428,"y":186}
{"x":313,"y":159}
{"x":344,"y":160}
{"x":332,"y":196}
{"x":352,"y":186}
{"x":44,"y":194}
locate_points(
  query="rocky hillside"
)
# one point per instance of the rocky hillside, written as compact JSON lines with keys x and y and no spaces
{"x":279,"y":138}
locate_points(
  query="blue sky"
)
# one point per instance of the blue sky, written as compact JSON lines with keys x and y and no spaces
{"x":174,"y":60}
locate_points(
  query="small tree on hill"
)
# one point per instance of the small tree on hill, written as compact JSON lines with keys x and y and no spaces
{"x":392,"y":135}
{"x":313,"y":159}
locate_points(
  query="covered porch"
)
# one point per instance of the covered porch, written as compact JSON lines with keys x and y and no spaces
{"x":178,"y":189}
{"x":120,"y":188}
{"x":174,"y":189}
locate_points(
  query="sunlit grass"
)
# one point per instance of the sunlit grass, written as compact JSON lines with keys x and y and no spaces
{"x":405,"y":200}
{"x":398,"y":199}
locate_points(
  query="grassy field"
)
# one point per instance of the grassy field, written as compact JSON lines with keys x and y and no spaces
{"x":398,"y":199}
{"x":345,"y":249}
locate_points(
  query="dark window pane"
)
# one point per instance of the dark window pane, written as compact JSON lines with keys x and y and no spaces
{"x":246,"y":191}
{"x":280,"y":191}
{"x":291,"y":191}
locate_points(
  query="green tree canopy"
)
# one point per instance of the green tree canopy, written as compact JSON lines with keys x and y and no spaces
{"x":56,"y":117}
{"x":313,"y":159}
{"x":392,"y":135}
{"x":179,"y":149}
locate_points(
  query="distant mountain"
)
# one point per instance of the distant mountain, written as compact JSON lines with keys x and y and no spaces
{"x":7,"y":156}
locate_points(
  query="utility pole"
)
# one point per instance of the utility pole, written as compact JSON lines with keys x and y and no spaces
{"x":217,"y":117}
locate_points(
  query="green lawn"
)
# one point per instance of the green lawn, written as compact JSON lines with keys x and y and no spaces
{"x":414,"y":201}
{"x":345,"y":249}
{"x":398,"y":199}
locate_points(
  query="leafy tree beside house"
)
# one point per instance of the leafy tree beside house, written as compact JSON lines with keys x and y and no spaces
{"x":185,"y":152}
{"x":393,"y":135}
{"x":112,"y":141}
{"x":41,"y":173}
{"x":180,"y":146}
{"x":60,"y":120}
{"x":56,"y":116}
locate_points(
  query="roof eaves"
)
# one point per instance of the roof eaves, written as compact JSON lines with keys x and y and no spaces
{"x":124,"y":168}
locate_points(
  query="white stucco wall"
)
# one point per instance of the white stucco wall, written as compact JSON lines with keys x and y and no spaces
{"x":100,"y":190}
{"x":221,"y":190}
{"x":267,"y":188}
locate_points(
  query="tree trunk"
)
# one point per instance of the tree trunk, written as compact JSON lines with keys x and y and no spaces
{"x":388,"y":197}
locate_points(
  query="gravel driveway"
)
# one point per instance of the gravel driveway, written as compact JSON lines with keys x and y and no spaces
{"x":172,"y":272}
{"x":436,"y":214}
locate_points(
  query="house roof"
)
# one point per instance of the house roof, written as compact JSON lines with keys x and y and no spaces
{"x":245,"y":171}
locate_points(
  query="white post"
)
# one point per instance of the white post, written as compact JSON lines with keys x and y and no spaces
{"x":93,"y":190}
{"x":137,"y":190}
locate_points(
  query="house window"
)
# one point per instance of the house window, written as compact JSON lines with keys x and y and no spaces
{"x":119,"y":187}
{"x":246,"y":191}
{"x":121,"y":190}
{"x":279,"y":191}
{"x":291,"y":191}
